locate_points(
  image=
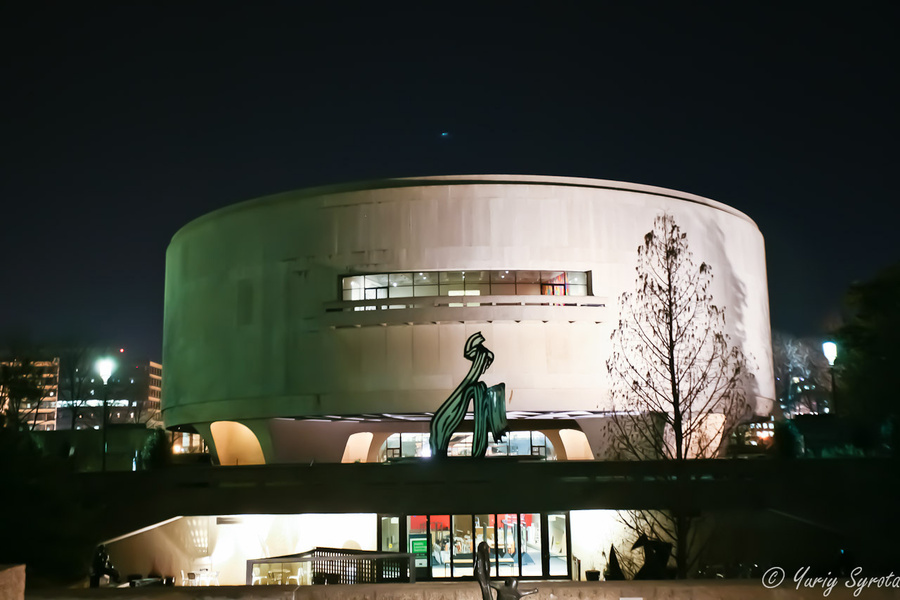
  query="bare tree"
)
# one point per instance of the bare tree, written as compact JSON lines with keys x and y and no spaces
{"x":677,"y":384}
{"x":26,"y":383}
{"x":75,"y":378}
{"x":802,"y":376}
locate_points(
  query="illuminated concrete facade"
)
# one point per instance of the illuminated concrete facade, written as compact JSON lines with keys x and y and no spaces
{"x":272,"y":357}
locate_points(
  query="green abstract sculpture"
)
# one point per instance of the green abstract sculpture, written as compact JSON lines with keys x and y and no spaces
{"x":489,"y":404}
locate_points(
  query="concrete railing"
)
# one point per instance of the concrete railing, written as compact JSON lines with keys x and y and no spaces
{"x":442,"y":309}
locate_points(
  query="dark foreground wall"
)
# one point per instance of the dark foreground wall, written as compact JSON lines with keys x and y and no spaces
{"x":568,"y":590}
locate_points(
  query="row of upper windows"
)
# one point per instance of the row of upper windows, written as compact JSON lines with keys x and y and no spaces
{"x":465,"y":283}
{"x":513,"y":443}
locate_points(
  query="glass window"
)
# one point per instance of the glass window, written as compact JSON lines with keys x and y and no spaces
{"x":528,"y":276}
{"x":441,"y":543}
{"x":417,"y":538}
{"x":349,"y":283}
{"x":555,"y":277}
{"x":530,"y":544}
{"x":484,"y":532}
{"x":374,"y":281}
{"x":519,"y":443}
{"x":391,"y":448}
{"x":390,"y":534}
{"x":556,"y":534}
{"x":407,"y":445}
{"x":477,"y":276}
{"x":426,"y":278}
{"x":576,"y":277}
{"x":507,"y":546}
{"x":462,"y":546}
{"x":425,"y":290}
{"x":354,"y":294}
{"x":477,"y":289}
{"x":458,"y":283}
{"x":460,"y":445}
{"x":553,"y":289}
{"x":400,"y":292}
{"x":452,"y":276}
{"x":401,"y":279}
{"x":500,"y":448}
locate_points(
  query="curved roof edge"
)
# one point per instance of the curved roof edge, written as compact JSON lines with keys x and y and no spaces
{"x":399,"y":182}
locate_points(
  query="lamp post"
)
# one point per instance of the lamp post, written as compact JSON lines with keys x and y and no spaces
{"x":105,"y":368}
{"x":829,"y":349}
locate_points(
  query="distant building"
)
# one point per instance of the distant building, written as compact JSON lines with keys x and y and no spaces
{"x":135,"y":391}
{"x":37,"y":406}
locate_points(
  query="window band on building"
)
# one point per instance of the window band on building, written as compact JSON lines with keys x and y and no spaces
{"x":465,"y":283}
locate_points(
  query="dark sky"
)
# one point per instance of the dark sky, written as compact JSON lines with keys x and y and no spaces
{"x":122,"y":123}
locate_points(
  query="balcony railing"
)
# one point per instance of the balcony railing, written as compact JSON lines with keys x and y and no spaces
{"x":436,"y":309}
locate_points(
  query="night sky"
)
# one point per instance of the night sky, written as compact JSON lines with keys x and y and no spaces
{"x":122,"y":123}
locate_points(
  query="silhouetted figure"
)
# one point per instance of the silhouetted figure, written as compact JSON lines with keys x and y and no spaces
{"x":656,"y":558}
{"x":510,"y":588}
{"x":483,"y":570}
{"x":613,"y":570}
{"x":101,"y":566}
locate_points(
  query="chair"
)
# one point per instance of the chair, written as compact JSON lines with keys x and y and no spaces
{"x":257,"y":578}
{"x":192,"y":578}
{"x":184,"y":579}
{"x":295,"y":578}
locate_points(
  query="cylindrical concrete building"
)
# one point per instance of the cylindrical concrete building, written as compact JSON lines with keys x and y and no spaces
{"x":328,"y":324}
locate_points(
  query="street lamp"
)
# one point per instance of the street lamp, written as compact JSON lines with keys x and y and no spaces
{"x":105,"y":368}
{"x":829,"y":349}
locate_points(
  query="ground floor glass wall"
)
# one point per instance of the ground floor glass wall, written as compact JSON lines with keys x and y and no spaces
{"x":531,"y":545}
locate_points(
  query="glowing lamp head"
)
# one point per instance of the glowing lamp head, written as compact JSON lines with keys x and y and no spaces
{"x":830,"y":351}
{"x":105,"y":368}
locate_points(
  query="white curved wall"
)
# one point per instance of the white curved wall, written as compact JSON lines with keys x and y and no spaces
{"x":247,"y":335}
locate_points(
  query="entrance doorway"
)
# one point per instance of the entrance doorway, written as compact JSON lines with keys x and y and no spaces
{"x":527,"y":545}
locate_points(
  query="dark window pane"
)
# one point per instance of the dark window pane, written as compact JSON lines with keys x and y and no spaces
{"x":558,"y":277}
{"x":451,"y":277}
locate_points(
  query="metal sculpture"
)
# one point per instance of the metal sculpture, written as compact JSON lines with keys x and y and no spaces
{"x":100,"y":566}
{"x":656,"y":557}
{"x":613,"y":570}
{"x":509,"y":590}
{"x":489,"y":404}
